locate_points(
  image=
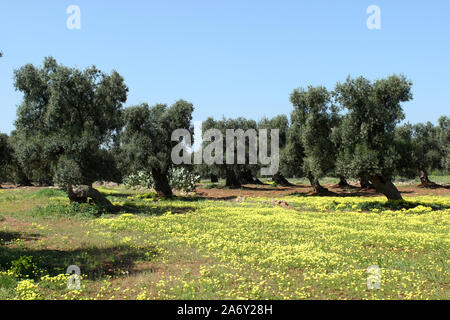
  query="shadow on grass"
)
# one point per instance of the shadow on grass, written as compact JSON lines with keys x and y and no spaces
{"x":367,"y":193}
{"x":262,"y":189}
{"x":219,"y":198}
{"x":156,"y":206}
{"x":433,"y":186}
{"x":95,"y":262}
{"x":151,"y":210}
{"x":359,"y":193}
{"x":399,"y":205}
{"x":7,"y":236}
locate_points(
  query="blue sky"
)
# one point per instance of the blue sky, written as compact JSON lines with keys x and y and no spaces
{"x":234,"y":58}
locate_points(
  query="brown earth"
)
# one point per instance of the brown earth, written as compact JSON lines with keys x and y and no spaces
{"x":302,"y":189}
{"x":271,"y":192}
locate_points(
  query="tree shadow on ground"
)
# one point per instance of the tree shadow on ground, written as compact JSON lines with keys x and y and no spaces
{"x":7,"y":236}
{"x":366,"y":193}
{"x":271,"y":189}
{"x":94,"y":262}
{"x":434,"y":186}
{"x":152,"y":210}
{"x":222,"y":198}
{"x":399,"y":205}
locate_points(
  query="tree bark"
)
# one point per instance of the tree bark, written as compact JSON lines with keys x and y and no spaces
{"x":279,"y":179}
{"x":424,"y":180}
{"x":316,"y":185}
{"x":246,"y":177}
{"x":81,"y":193}
{"x":214,"y":178}
{"x":162,"y":186}
{"x":386,"y":187}
{"x":365,"y":183}
{"x":342,"y":182}
{"x":23,"y":179}
{"x":231,"y":179}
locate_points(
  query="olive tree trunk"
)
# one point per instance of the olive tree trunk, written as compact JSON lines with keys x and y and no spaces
{"x":424,"y":180}
{"x":81,"y":193}
{"x":364,"y":183}
{"x":23,"y":180}
{"x":386,"y":187}
{"x":231,"y":179}
{"x":316,"y":185}
{"x":279,"y":179}
{"x":162,"y":186}
{"x":342,"y":182}
{"x":246,"y":177}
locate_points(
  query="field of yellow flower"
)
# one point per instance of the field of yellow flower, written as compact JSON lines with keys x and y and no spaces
{"x":248,"y":248}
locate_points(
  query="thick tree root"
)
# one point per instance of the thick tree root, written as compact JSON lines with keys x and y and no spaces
{"x":429,"y":184}
{"x":81,"y":193}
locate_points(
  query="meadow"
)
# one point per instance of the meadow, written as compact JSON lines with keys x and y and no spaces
{"x":194,"y":247}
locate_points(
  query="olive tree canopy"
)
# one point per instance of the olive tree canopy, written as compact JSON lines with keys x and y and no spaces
{"x":71,"y":117}
{"x":368,"y":128}
{"x":147,"y":138}
{"x":312,"y":121}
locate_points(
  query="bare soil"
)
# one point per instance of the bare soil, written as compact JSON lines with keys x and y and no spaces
{"x":222,"y":193}
{"x":273,"y":192}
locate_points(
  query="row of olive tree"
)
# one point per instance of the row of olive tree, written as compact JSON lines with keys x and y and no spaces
{"x":72,"y":130}
{"x":351,"y":132}
{"x":365,"y":140}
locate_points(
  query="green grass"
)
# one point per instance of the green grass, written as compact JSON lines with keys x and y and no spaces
{"x":191,"y":248}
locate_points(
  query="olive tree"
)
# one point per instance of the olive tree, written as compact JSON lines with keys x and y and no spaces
{"x":147,"y":139}
{"x":5,"y":157}
{"x":30,"y":162}
{"x":406,"y":162}
{"x":444,"y":142}
{"x":368,"y":128}
{"x":220,"y":166}
{"x":71,"y":118}
{"x":427,"y":151}
{"x":280,"y":123}
{"x":245,"y":172}
{"x":338,"y":144}
{"x":313,"y":119}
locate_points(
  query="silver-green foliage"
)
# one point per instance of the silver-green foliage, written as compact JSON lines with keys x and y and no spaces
{"x":179,"y":178}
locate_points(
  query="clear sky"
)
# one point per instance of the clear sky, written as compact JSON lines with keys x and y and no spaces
{"x":234,"y":58}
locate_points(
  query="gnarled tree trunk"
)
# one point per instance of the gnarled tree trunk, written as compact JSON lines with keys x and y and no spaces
{"x":316,"y":185}
{"x":386,"y":187}
{"x":364,"y":183}
{"x":162,"y":186}
{"x":246,"y":177}
{"x":231,"y":179}
{"x":23,"y":179}
{"x":424,"y":180}
{"x":81,"y":194}
{"x":279,"y":179}
{"x":342,"y":182}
